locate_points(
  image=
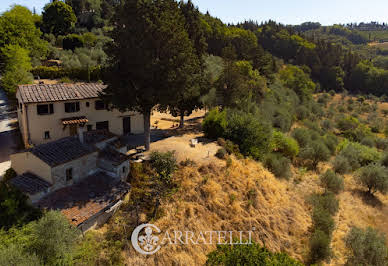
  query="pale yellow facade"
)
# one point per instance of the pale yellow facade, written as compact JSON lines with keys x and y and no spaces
{"x":34,"y":127}
{"x":28,"y":162}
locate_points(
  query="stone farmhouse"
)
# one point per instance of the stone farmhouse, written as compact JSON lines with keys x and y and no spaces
{"x":83,"y":176}
{"x":51,"y":112}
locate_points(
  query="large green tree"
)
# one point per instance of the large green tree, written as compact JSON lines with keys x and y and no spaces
{"x":16,"y":69}
{"x":14,"y":208}
{"x":296,"y":79}
{"x":58,"y":18}
{"x":48,"y":241}
{"x":148,"y":58}
{"x":17,"y":27}
{"x":238,"y":82}
{"x":187,"y":94}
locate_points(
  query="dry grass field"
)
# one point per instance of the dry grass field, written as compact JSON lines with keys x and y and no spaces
{"x":239,"y":197}
{"x":244,"y":195}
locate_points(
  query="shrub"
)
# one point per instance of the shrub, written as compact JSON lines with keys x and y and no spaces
{"x":65,"y":80}
{"x":282,"y":121}
{"x":53,"y":237}
{"x":332,"y":182}
{"x":384,"y":159}
{"x":326,"y":201}
{"x":9,"y":174}
{"x":314,"y":153}
{"x":316,"y":109}
{"x":214,"y":124}
{"x":72,"y":41}
{"x":302,"y":112}
{"x":331,"y":142}
{"x":323,"y":221}
{"x":232,"y":148}
{"x":244,"y":129}
{"x":304,"y":136}
{"x":164,"y":164}
{"x":254,"y":254}
{"x":278,"y":165}
{"x":357,"y":134}
{"x":377,"y":126}
{"x":330,"y":112}
{"x":341,"y":109}
{"x":221,"y":142}
{"x":347,"y":123}
{"x":368,"y":141}
{"x":319,"y":246}
{"x":187,"y":162}
{"x":221,"y":153}
{"x":327,"y":124}
{"x":381,"y":143}
{"x":332,"y":92}
{"x":252,"y":136}
{"x":15,"y":255}
{"x":341,"y":165}
{"x":285,"y":145}
{"x":14,"y":208}
{"x":74,"y":73}
{"x":368,"y":247}
{"x":374,"y":177}
{"x":323,"y":99}
{"x":314,"y":127}
{"x":357,"y":154}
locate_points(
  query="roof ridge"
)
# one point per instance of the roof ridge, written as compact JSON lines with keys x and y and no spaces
{"x":36,"y":93}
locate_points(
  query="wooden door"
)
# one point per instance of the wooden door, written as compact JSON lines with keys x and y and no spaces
{"x":73,"y":130}
{"x":126,"y":125}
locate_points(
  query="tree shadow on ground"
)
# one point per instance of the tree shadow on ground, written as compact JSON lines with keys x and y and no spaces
{"x":368,"y":198}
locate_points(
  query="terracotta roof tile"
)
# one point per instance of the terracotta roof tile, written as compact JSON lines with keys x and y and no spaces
{"x":85,"y":199}
{"x":59,"y":92}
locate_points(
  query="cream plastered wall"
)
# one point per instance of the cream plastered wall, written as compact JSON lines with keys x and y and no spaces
{"x":28,"y":162}
{"x":38,"y":124}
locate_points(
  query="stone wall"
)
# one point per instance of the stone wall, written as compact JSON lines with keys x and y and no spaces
{"x":82,"y":168}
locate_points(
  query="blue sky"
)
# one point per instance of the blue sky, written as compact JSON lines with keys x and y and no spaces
{"x":285,"y":11}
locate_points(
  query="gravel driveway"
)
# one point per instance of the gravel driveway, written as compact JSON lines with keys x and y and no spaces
{"x":9,"y":133}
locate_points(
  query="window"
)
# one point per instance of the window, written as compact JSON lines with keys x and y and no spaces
{"x":124,"y":169}
{"x":89,"y":127}
{"x":100,"y":105}
{"x":47,"y":135}
{"x":69,"y":174}
{"x":102,"y":125}
{"x":45,"y":109}
{"x":72,"y":107}
{"x":87,"y":104}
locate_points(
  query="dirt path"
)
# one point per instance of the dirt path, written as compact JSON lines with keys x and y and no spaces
{"x":202,"y":153}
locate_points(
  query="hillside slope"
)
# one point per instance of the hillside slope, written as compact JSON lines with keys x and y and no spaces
{"x":240,"y":197}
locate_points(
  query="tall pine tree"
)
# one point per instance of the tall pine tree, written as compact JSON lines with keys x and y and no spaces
{"x":192,"y":85}
{"x":149,"y":57}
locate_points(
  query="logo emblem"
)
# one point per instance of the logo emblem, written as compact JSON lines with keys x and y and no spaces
{"x":143,"y":241}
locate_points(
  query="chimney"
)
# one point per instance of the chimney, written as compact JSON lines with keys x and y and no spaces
{"x":81,"y":134}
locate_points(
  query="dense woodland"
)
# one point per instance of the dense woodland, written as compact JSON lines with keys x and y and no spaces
{"x":286,"y":96}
